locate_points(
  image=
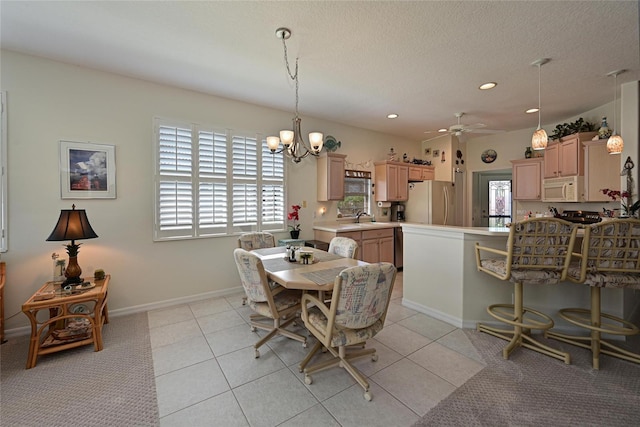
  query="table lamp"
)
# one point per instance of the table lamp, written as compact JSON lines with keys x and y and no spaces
{"x":72,"y":225}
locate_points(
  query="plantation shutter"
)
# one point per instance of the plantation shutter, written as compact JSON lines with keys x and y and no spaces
{"x":212,"y":185}
{"x":272,"y":190}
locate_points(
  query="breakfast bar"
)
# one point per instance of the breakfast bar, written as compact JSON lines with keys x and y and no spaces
{"x":441,"y":278}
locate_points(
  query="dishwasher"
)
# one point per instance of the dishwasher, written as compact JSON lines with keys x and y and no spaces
{"x":397,"y":247}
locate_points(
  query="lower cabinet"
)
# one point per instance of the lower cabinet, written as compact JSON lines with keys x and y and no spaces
{"x":377,"y":245}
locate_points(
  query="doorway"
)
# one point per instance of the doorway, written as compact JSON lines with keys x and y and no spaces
{"x":491,"y":198}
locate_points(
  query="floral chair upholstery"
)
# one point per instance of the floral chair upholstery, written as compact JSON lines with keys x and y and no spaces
{"x":257,"y":240}
{"x":538,"y":252}
{"x":344,"y":247}
{"x":278,"y":304}
{"x":357,"y":313}
{"x":609,"y":258}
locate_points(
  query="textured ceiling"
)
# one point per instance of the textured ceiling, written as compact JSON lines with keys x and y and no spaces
{"x":360,"y":60}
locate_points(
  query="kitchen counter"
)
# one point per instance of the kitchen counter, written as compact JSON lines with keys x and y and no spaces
{"x":441,"y":278}
{"x":343,"y":227}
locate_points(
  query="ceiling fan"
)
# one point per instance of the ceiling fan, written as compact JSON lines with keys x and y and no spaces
{"x":459,"y":128}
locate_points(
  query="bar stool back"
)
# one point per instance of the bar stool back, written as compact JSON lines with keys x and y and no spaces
{"x":610,"y":258}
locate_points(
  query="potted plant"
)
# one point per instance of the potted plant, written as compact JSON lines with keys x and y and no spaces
{"x":629,"y":209}
{"x":294,"y":229}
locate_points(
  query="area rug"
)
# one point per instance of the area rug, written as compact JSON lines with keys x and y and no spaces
{"x":80,"y":387}
{"x":531,"y":389}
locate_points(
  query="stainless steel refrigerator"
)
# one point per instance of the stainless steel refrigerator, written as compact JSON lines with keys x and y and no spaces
{"x":435,"y":202}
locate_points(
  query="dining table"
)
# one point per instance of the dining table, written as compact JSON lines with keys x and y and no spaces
{"x":319,"y":275}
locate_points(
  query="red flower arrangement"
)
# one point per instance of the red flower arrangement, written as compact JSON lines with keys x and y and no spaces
{"x":293,"y":216}
{"x":625,"y":200}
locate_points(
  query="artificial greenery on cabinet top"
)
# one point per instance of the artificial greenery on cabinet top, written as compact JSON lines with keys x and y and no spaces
{"x":570,"y":128}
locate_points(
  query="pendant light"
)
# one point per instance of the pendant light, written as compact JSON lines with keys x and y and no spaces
{"x":615,"y":144}
{"x":539,"y":138}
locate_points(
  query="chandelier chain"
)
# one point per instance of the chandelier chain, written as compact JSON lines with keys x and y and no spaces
{"x":294,"y":76}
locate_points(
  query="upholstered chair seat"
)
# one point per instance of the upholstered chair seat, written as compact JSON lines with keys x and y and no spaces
{"x":356,"y":313}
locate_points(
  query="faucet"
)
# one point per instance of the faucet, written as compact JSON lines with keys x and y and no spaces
{"x":358,"y":215}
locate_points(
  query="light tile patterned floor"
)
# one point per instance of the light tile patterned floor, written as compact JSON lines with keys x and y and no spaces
{"x":206,"y":373}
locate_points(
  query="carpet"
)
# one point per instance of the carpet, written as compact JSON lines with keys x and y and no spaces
{"x":531,"y":389}
{"x":80,"y":387}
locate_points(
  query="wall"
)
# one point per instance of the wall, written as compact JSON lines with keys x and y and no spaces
{"x":50,"y":101}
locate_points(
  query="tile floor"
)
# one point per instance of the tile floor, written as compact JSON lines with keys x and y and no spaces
{"x":206,"y":373}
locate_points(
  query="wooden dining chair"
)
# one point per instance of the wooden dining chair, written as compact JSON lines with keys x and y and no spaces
{"x":538,"y":253}
{"x":358,"y":308}
{"x":610,"y":258}
{"x":276,"y":304}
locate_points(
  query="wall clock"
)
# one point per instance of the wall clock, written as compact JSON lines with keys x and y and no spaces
{"x":489,"y":156}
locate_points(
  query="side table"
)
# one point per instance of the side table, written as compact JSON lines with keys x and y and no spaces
{"x":75,"y":318}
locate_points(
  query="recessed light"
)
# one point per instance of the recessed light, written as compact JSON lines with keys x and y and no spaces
{"x":443,"y":130}
{"x":392,"y":116}
{"x":531,"y":110}
{"x":488,"y":85}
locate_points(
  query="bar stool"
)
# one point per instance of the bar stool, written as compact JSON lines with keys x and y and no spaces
{"x":610,"y":258}
{"x":538,"y":253}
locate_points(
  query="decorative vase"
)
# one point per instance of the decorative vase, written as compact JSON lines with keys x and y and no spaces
{"x":604,"y":132}
{"x":528,"y":153}
{"x":295,"y":234}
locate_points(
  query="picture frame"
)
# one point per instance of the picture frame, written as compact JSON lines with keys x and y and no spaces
{"x":427,"y":151}
{"x":87,"y":170}
{"x":436,"y":153}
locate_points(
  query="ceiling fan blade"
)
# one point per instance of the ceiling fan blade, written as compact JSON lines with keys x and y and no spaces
{"x":436,"y":137}
{"x":485,"y":131}
{"x":474,"y":126}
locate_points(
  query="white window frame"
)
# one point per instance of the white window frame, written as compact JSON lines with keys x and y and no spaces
{"x":4,"y":244}
{"x":198,"y":215}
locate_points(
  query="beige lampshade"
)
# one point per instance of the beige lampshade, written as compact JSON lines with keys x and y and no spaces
{"x":315,"y":140}
{"x":286,"y":136}
{"x":615,"y":144}
{"x":539,"y":139}
{"x":273,"y":142}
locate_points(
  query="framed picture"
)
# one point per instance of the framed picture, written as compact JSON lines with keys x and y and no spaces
{"x":87,"y":170}
{"x":427,"y":151}
{"x":436,"y":153}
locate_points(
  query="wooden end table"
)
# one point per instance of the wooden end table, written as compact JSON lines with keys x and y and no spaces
{"x":75,"y":318}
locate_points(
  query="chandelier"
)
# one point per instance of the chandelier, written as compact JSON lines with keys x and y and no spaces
{"x":292,"y":143}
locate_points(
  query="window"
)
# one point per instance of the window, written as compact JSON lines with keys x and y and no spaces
{"x":357,"y":193}
{"x":215,"y":182}
{"x":3,"y":173}
{"x":499,"y":203}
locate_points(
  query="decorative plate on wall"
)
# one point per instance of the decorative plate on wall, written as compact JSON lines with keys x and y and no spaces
{"x":330,"y":143}
{"x":489,"y":156}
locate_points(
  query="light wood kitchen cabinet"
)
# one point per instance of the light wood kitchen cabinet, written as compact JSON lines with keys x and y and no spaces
{"x":422,"y":173}
{"x":330,"y":183}
{"x":527,"y":179}
{"x":566,"y":157}
{"x":377,"y":245}
{"x":391,"y":181}
{"x":601,"y":170}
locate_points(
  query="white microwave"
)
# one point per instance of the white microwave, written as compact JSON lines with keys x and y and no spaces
{"x":564,"y":189}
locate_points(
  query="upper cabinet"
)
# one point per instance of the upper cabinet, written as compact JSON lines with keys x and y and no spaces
{"x":601,"y":170}
{"x":391,"y":181}
{"x":422,"y":173}
{"x":565,"y":157}
{"x":527,"y":179}
{"x":331,"y":177}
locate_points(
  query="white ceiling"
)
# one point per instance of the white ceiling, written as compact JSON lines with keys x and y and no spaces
{"x":359,"y":60}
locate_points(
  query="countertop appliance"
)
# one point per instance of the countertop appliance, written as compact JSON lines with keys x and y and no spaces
{"x":397,"y":212}
{"x":435,"y":202}
{"x":580,"y":217}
